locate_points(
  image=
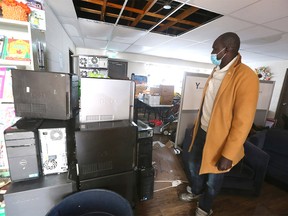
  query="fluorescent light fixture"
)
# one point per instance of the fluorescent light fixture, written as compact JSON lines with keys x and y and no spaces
{"x":167,"y":7}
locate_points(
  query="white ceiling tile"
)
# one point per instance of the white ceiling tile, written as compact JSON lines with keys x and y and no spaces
{"x":152,"y":39}
{"x":95,"y":44}
{"x":157,"y":53}
{"x":137,"y":49}
{"x":263,"y":11}
{"x":78,"y":41}
{"x":115,"y":46}
{"x":215,"y":28}
{"x":252,"y":58}
{"x":275,"y":49}
{"x":258,"y":35}
{"x":126,"y":35}
{"x":172,"y":48}
{"x":95,"y":30}
{"x":281,"y":24}
{"x":72,"y":30}
{"x":196,"y":52}
{"x":222,"y":6}
{"x":178,"y":43}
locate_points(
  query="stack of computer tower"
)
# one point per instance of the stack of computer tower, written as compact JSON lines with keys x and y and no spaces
{"x":50,"y":98}
{"x":91,"y":139}
{"x":38,"y":143}
{"x":91,"y":66}
{"x":105,"y":154}
{"x":145,"y":170}
{"x":105,"y":136}
{"x":37,"y":156}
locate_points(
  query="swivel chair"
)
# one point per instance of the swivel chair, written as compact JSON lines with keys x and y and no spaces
{"x":94,"y":202}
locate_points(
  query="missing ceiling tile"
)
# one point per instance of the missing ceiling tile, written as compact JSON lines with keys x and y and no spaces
{"x":149,"y":15}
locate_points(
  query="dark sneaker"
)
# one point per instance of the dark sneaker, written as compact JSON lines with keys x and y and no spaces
{"x":189,"y":189}
{"x":188,"y":197}
{"x":200,"y":212}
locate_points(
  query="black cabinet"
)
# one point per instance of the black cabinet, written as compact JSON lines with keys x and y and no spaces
{"x":117,"y":69}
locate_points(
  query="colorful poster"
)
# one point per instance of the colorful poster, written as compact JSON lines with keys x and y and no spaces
{"x":2,"y":80}
{"x":37,"y":15}
{"x":7,"y":118}
{"x":17,"y":49}
{"x":3,"y":154}
{"x":2,"y":41}
{"x":6,"y":92}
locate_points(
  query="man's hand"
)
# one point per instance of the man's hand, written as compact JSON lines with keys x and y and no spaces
{"x":223,"y":164}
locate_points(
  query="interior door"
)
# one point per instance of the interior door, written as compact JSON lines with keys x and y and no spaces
{"x":282,"y":108}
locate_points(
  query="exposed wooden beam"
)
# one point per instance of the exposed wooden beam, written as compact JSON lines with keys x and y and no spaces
{"x":87,"y":10}
{"x":180,"y":17}
{"x":103,"y":11}
{"x":146,"y":9}
{"x":138,"y":11}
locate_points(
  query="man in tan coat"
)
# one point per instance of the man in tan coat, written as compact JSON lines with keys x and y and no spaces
{"x":224,"y":120}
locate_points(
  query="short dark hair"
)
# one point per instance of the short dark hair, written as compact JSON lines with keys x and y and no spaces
{"x":230,"y":40}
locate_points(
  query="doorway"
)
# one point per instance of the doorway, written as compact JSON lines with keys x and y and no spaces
{"x":71,"y":65}
{"x":282,"y":109}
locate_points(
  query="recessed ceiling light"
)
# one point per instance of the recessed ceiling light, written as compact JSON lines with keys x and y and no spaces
{"x":167,"y":6}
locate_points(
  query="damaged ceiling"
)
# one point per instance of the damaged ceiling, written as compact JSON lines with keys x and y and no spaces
{"x":186,"y":31}
{"x":158,"y":16}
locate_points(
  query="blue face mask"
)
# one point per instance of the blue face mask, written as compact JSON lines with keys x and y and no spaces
{"x":214,"y":59}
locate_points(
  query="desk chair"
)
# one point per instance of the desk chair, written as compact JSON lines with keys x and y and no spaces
{"x":94,"y":202}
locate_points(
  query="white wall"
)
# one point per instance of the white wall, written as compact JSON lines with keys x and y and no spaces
{"x":167,"y":71}
{"x":58,"y":44}
{"x":278,"y":70}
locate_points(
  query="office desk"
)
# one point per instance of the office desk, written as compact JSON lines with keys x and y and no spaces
{"x":159,"y":110}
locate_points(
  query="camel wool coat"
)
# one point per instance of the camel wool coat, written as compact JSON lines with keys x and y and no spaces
{"x":231,"y":118}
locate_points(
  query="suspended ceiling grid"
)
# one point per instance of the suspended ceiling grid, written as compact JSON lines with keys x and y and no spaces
{"x":148,"y":15}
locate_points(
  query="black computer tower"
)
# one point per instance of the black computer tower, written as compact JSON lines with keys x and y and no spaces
{"x":144,"y":153}
{"x":117,"y":69}
{"x":122,"y":183}
{"x":104,"y":148}
{"x":38,"y":196}
{"x":145,"y":183}
{"x":43,"y":94}
{"x":144,"y":145}
{"x":21,"y":140}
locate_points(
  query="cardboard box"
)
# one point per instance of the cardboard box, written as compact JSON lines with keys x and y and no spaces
{"x":154,"y":91}
{"x":166,"y":99}
{"x":140,"y":88}
{"x":151,"y":99}
{"x":166,"y":90}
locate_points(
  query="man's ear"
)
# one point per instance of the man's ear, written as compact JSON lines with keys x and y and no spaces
{"x":228,"y":49}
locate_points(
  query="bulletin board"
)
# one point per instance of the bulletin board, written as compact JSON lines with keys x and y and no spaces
{"x":266,"y":88}
{"x":192,"y":89}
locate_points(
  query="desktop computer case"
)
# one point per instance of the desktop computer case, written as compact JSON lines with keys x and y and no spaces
{"x":38,"y":196}
{"x":123,"y":183}
{"x":21,"y":140}
{"x":144,"y":145}
{"x":106,"y":99}
{"x":145,"y":183}
{"x":104,"y":148}
{"x":41,"y":94}
{"x":55,"y":137}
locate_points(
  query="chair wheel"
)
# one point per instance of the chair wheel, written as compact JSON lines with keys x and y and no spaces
{"x":165,"y":132}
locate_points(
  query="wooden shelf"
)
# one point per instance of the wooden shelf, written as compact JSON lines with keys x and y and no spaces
{"x":18,"y":30}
